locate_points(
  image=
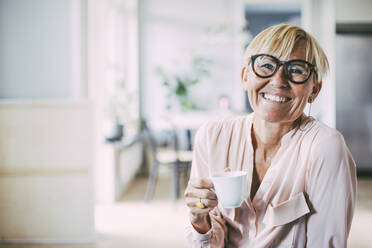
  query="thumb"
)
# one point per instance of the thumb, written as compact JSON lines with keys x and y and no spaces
{"x":227,"y":169}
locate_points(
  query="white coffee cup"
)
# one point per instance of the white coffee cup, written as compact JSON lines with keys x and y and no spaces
{"x":230,"y":188}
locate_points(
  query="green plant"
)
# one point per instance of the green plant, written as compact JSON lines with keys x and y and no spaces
{"x":178,"y":84}
{"x":119,"y":107}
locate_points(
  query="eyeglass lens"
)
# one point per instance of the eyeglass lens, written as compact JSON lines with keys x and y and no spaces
{"x":266,"y":66}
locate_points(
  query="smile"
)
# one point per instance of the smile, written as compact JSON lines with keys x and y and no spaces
{"x":274,"y":98}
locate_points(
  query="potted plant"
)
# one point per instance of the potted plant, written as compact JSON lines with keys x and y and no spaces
{"x":118,"y":110}
{"x":178,"y":85}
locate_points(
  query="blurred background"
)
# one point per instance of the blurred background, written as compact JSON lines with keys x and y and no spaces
{"x":100,"y":100}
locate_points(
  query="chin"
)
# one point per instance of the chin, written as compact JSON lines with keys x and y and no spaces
{"x":274,"y":117}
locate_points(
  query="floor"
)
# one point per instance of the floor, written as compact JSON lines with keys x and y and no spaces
{"x":132,"y":223}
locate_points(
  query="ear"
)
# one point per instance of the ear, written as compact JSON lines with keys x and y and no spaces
{"x":243,"y":76}
{"x":316,"y":89}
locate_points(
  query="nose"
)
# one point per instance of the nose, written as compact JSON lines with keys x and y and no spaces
{"x":279,"y":79}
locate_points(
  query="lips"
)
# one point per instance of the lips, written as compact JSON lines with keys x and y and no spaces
{"x":276,"y":98}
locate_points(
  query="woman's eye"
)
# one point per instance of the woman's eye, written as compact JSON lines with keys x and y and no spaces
{"x":267,"y":66}
{"x":297,"y":70}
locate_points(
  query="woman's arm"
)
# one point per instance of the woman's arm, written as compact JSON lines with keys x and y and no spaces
{"x":331,"y":188}
{"x":207,"y":227}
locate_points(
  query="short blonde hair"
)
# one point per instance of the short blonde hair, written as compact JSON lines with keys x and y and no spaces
{"x":279,"y":41}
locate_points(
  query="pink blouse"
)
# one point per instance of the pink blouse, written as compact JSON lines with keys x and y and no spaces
{"x":306,"y":198}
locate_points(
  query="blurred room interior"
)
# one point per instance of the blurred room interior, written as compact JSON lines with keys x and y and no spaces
{"x":100,"y":99}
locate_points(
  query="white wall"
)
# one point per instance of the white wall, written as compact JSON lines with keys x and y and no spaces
{"x":45,"y":172}
{"x":319,"y":19}
{"x":46,"y":145}
{"x":40,"y":49}
{"x":171,"y":31}
{"x":353,"y":11}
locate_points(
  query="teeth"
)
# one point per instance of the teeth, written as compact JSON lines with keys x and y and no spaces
{"x":275,"y":98}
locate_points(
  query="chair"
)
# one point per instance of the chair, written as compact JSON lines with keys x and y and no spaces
{"x":172,"y":155}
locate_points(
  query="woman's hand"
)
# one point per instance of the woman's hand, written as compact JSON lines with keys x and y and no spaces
{"x":200,"y":191}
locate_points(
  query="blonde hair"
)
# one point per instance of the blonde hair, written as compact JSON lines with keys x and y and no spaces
{"x":279,"y":41}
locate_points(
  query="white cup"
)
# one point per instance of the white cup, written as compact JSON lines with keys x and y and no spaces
{"x":230,"y":188}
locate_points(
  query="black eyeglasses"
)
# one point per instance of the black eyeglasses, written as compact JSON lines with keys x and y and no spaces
{"x":297,"y":71}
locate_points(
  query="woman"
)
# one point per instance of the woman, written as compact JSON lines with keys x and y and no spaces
{"x":301,"y":175}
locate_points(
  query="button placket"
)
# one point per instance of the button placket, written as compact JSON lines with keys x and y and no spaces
{"x":205,"y":244}
{"x":252,"y":232}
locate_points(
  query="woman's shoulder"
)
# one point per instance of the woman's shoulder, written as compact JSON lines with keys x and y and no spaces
{"x":329,"y":153}
{"x":326,"y":141}
{"x":324,"y":134}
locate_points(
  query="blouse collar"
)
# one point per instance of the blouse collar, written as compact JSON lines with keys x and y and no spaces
{"x":286,"y":138}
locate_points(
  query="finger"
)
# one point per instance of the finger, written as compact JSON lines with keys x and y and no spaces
{"x":227,"y":169}
{"x":208,"y":203}
{"x":200,"y":193}
{"x":202,"y":183}
{"x":198,"y":211}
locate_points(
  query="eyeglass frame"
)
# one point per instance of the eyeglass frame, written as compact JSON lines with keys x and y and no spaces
{"x":285,"y":64}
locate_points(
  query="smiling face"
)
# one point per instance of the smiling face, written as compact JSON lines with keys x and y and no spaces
{"x":276,"y":99}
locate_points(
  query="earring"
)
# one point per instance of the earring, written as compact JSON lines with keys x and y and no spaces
{"x":310,"y":101}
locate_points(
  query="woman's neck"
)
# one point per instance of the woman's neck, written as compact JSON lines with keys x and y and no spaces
{"x":267,"y":135}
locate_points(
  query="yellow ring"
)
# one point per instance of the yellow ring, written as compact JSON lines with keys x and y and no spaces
{"x":200,"y":205}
